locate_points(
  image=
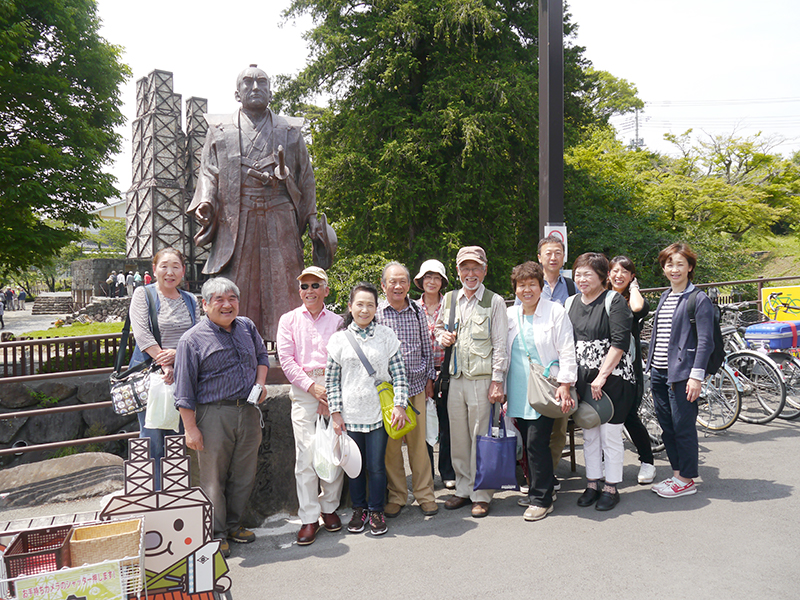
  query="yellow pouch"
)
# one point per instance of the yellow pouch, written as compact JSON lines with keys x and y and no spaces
{"x":386,"y":395}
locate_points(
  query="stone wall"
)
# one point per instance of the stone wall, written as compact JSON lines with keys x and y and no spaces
{"x":107,"y":310}
{"x":89,"y":276}
{"x":274,"y":490}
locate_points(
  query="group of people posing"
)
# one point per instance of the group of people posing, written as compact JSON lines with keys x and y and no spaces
{"x":584,"y":330}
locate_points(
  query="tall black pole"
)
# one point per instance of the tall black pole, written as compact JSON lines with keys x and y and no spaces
{"x":551,"y":113}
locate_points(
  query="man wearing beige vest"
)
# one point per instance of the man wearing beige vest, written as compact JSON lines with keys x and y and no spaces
{"x":477,"y":367}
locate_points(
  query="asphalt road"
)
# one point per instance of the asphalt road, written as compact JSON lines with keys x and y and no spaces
{"x":736,"y":538}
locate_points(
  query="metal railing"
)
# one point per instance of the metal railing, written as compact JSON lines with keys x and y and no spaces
{"x":51,"y":357}
{"x":760,"y":281}
{"x":14,"y":450}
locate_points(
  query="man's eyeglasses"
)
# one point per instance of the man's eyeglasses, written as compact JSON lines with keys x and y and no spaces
{"x":305,"y":286}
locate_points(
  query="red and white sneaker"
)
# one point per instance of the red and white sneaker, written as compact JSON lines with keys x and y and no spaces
{"x":661,"y":485}
{"x":677,"y":488}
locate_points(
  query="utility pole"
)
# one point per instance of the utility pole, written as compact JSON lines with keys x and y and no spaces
{"x":551,"y":115}
{"x":636,"y":142}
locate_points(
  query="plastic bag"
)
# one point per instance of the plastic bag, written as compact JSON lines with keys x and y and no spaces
{"x":161,"y":412}
{"x":324,"y":438}
{"x":431,"y":422}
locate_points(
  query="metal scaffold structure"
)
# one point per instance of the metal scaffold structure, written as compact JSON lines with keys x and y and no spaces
{"x":165,"y":164}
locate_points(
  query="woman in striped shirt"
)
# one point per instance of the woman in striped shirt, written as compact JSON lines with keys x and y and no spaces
{"x":678,"y":357}
{"x":176,"y":311}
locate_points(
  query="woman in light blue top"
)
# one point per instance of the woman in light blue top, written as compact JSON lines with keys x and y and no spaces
{"x":540,"y":329}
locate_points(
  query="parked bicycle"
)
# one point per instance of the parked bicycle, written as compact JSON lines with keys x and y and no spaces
{"x":762,"y":371}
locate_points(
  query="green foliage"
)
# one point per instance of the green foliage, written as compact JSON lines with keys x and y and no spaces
{"x":726,"y":184}
{"x":604,"y":178}
{"x":59,"y":103}
{"x":431,"y":140}
{"x":42,"y":399}
{"x":110,"y":239}
{"x":350,"y":270}
{"x":610,"y":96}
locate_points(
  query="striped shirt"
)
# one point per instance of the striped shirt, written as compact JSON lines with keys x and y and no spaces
{"x":663,"y":331}
{"x":411,"y":329}
{"x":173,"y":319}
{"x":212,"y":364}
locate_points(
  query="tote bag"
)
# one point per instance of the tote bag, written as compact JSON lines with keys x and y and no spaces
{"x":496,"y":459}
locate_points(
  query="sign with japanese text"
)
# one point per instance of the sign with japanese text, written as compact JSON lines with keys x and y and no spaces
{"x":92,"y":582}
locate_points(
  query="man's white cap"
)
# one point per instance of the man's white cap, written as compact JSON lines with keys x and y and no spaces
{"x":316,"y":272}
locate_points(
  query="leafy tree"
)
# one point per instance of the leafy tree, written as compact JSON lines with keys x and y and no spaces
{"x":431,"y":139}
{"x":110,"y":239}
{"x":609,"y":95}
{"x":727,"y":184}
{"x":609,"y":193}
{"x":59,"y":103}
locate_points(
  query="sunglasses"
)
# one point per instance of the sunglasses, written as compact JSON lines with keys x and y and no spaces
{"x":305,"y":286}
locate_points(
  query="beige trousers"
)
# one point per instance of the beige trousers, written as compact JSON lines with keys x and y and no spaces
{"x":418,"y":459}
{"x":468,"y":407}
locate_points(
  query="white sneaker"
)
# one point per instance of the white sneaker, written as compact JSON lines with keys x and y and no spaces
{"x":661,"y":484}
{"x":647,"y":473}
{"x":676,"y":489}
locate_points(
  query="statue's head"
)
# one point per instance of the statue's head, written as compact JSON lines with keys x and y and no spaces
{"x":252,"y":89}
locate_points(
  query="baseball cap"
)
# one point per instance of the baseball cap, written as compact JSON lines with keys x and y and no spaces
{"x":316,"y":272}
{"x":475,"y":253}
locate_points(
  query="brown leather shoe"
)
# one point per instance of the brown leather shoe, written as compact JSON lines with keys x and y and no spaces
{"x":331,"y":521}
{"x":454,"y":502}
{"x":307,"y":534}
{"x":480,"y":509}
{"x":392,"y":509}
{"x":429,"y":508}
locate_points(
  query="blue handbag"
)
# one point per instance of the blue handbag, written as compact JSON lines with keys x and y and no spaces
{"x":496,"y":459}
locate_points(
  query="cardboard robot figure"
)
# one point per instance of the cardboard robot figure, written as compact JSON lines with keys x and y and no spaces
{"x":180,"y":556}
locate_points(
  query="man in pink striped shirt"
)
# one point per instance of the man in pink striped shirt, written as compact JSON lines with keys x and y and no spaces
{"x":303,"y":335}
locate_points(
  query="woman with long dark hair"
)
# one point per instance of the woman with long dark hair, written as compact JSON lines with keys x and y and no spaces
{"x":622,"y":279}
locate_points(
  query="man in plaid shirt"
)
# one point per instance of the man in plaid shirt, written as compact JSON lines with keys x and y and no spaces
{"x":405,"y":318}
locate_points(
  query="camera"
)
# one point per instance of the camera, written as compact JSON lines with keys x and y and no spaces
{"x":255,"y":394}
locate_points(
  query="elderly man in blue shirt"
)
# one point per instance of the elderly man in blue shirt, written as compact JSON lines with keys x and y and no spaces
{"x":218,"y":363}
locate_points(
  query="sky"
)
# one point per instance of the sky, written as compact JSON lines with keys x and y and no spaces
{"x":719,"y":67}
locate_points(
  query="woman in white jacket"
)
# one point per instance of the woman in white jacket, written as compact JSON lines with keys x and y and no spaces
{"x":538,"y":330}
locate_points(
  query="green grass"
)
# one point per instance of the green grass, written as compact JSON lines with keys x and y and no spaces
{"x":77,"y":329}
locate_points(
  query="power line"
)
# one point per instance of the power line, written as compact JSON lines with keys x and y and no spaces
{"x":732,"y":102}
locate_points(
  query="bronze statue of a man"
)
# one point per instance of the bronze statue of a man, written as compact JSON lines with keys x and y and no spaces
{"x":254,"y":198}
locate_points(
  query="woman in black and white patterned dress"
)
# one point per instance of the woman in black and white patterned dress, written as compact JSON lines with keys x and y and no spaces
{"x":602,"y":329}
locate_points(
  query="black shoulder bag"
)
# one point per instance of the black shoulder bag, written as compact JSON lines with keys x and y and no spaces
{"x":442,"y":384}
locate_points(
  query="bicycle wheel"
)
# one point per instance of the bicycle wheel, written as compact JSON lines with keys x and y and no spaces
{"x":790,"y":366}
{"x":761,"y":386}
{"x":647,"y":413}
{"x":719,"y":403}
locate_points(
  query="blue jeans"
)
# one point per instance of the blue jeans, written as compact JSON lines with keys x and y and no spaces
{"x":156,"y":437}
{"x":677,"y":417}
{"x":373,"y":457}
